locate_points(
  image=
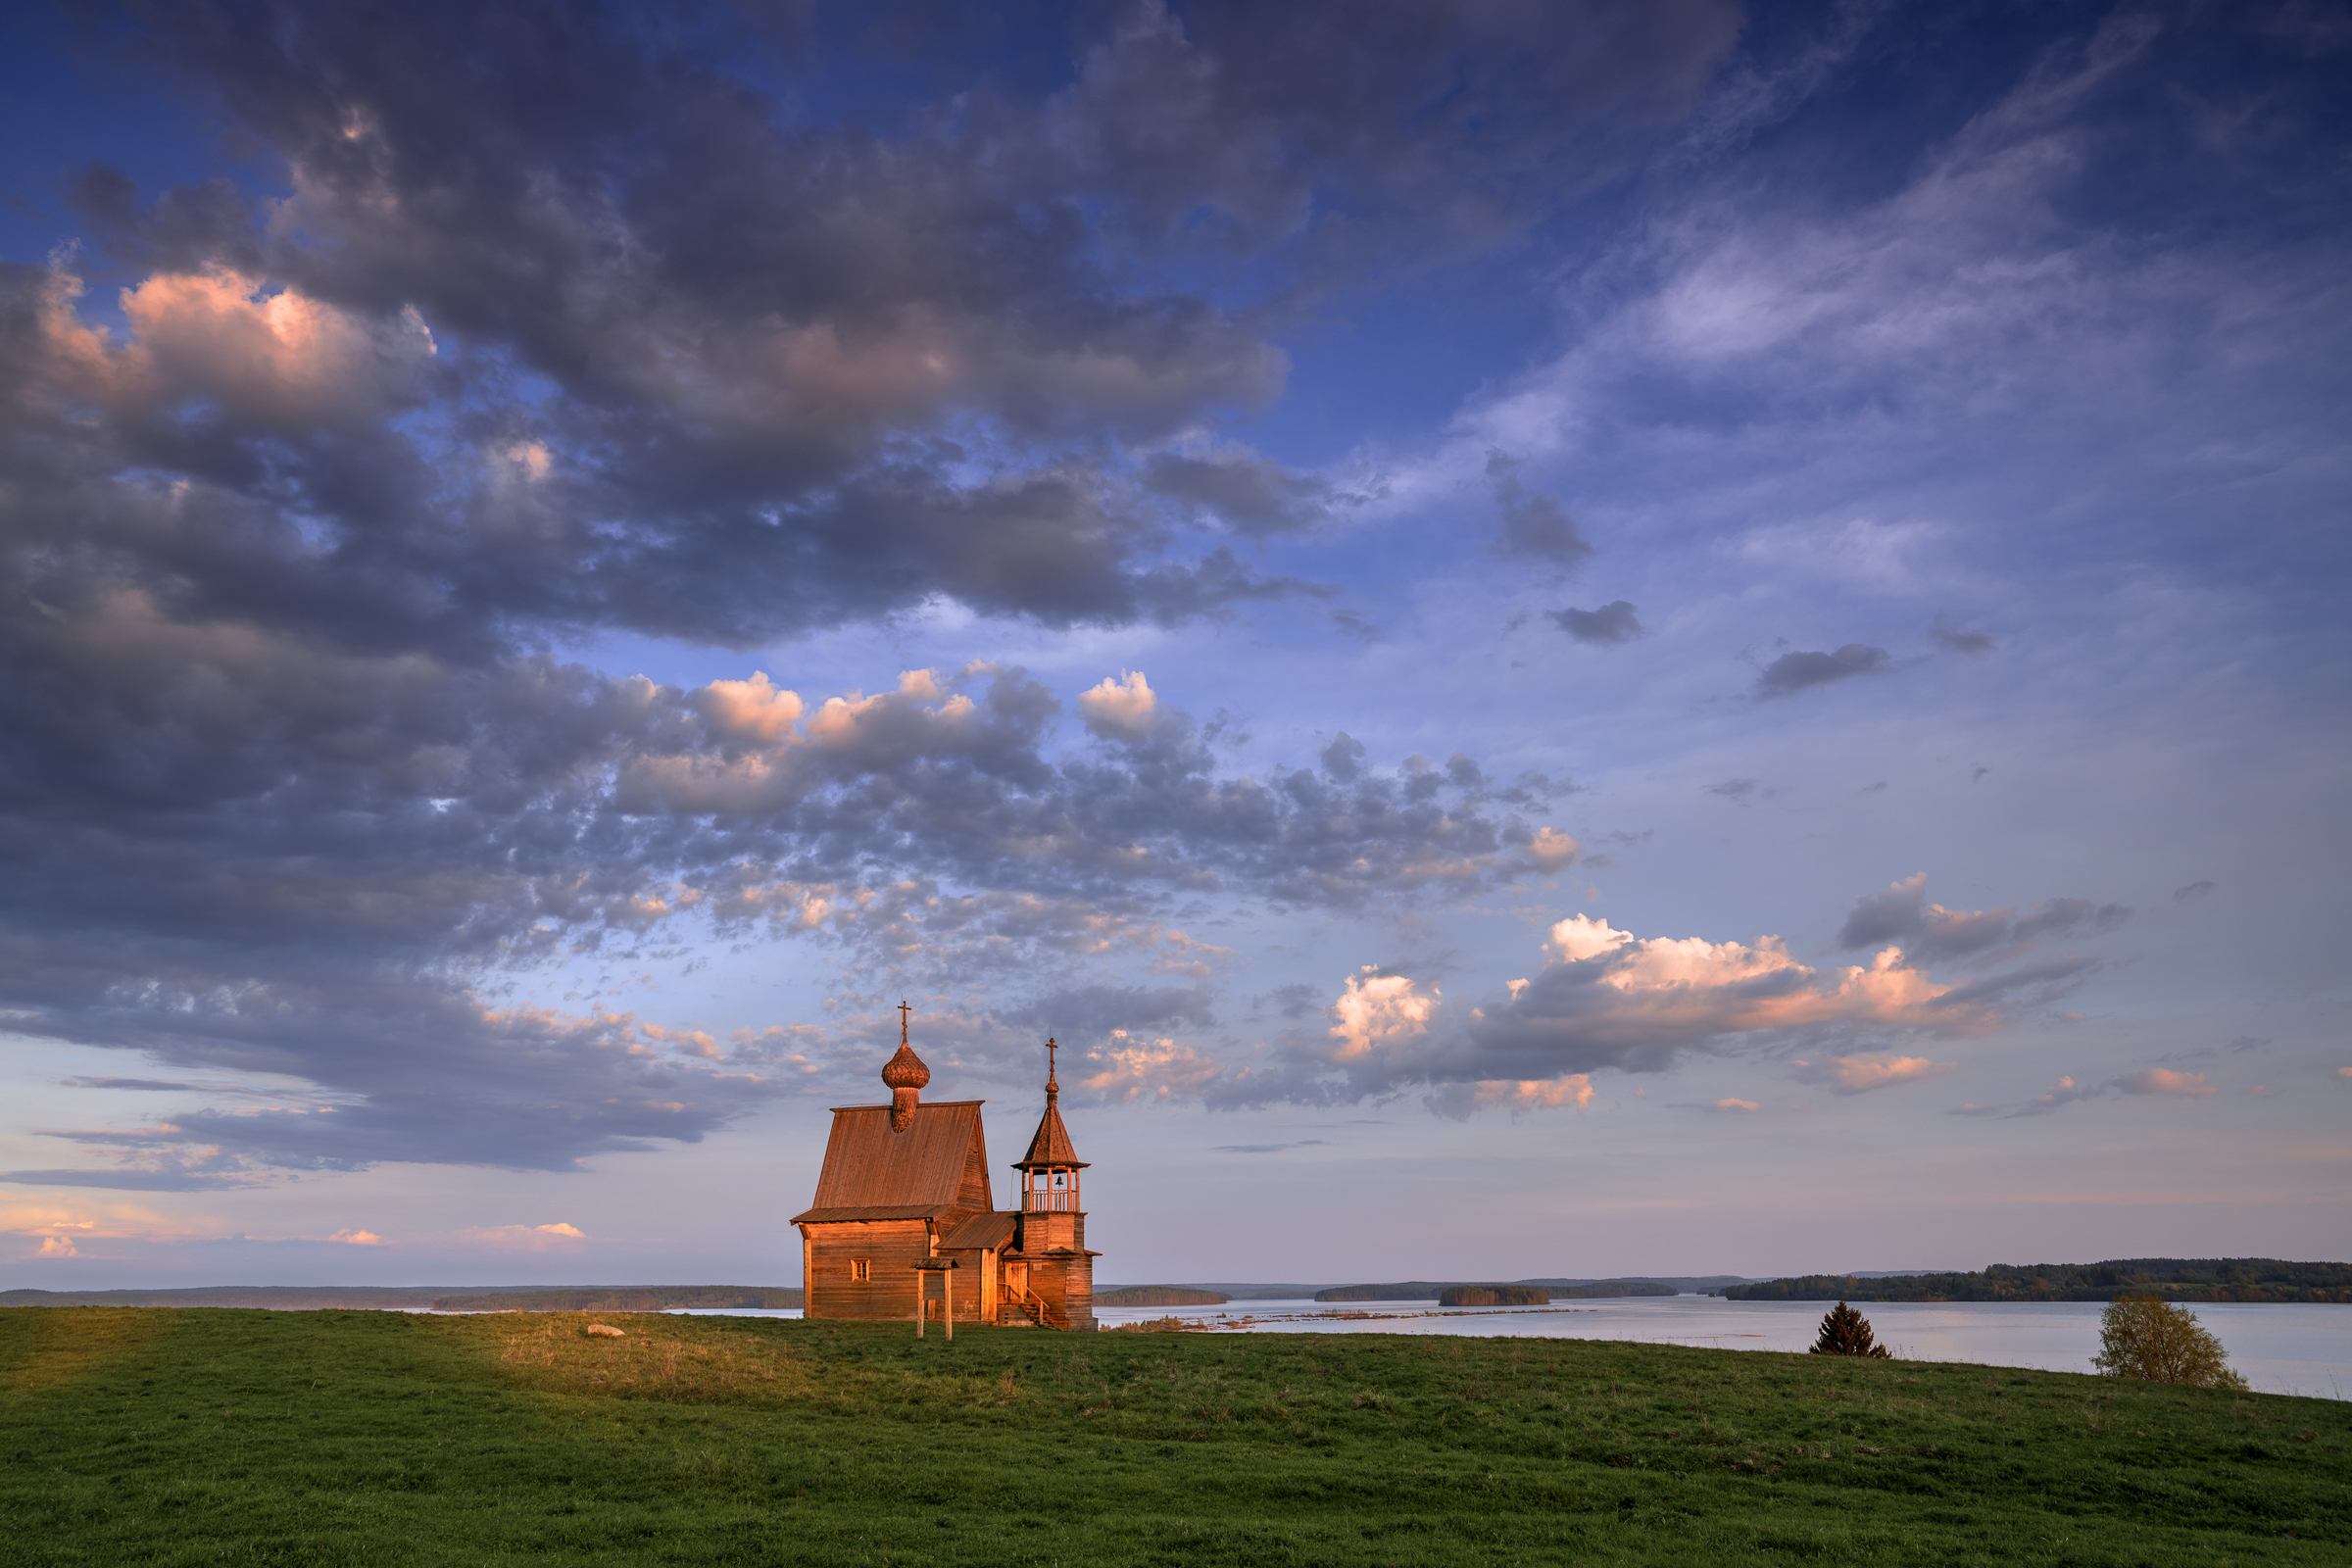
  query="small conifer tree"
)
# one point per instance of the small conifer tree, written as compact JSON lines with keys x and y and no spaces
{"x":2143,"y":1336}
{"x":1846,"y":1331}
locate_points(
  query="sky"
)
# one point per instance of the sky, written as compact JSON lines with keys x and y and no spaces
{"x":1572,"y":640}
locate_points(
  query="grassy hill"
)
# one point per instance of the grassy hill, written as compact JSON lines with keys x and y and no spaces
{"x":173,"y":1439}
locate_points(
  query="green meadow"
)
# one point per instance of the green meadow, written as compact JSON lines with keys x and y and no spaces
{"x":186,"y":1437}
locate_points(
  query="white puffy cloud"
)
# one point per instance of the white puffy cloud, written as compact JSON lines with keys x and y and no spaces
{"x":752,"y":710}
{"x":1551,"y":850}
{"x":265,"y":354}
{"x":1126,"y":1068}
{"x":1608,"y":999}
{"x":1120,"y":708}
{"x":1376,"y":1011}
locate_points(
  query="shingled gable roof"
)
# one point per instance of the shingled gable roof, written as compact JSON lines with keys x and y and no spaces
{"x":993,"y":1231}
{"x":873,"y":1173}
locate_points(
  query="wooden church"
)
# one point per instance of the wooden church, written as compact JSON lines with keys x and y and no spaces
{"x":904,"y":1201}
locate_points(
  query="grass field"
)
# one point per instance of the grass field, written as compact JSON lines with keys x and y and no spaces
{"x":185,"y":1436}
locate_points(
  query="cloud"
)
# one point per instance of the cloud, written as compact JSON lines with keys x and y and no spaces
{"x":1111,"y":1010}
{"x":2067,"y":1093}
{"x":1952,"y":640}
{"x":1459,"y":1102}
{"x":2161,"y":1081}
{"x":1931,"y":932}
{"x":1735,"y":789}
{"x":1864,"y":1071}
{"x":1125,"y":1068}
{"x":1250,"y":495}
{"x":352,"y":1237}
{"x":1119,"y":708}
{"x":128,"y":1179}
{"x":1735,"y":1106}
{"x":1606,"y":998}
{"x":1533,"y":527}
{"x":558,"y":1237}
{"x":2195,"y":890}
{"x":1791,"y":673}
{"x":1613,"y":623}
{"x":2165,"y":1081}
{"x":2344,"y":1073}
{"x":1268,"y":1148}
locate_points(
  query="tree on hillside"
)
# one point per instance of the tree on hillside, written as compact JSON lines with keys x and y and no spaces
{"x":2148,"y":1338}
{"x":1846,"y":1331}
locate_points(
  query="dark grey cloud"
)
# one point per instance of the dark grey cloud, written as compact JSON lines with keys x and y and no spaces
{"x":1953,"y":640}
{"x":249,"y":853}
{"x":2195,"y":890}
{"x":1297,"y":1001}
{"x":786,"y":372}
{"x":1930,"y":932}
{"x":604,"y":323}
{"x":1734,"y":789}
{"x":1248,"y":494}
{"x":1269,"y":1148}
{"x":1791,"y":673}
{"x":1613,"y":623}
{"x":1533,"y":527}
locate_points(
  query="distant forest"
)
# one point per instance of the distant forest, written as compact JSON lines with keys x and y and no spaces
{"x":1159,"y":1295}
{"x":1430,"y":1291}
{"x":2175,"y":1279}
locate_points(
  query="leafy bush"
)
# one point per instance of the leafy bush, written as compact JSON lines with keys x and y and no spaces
{"x":2147,"y":1338}
{"x":1846,"y":1331}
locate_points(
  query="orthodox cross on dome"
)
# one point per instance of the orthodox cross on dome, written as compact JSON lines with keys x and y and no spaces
{"x":907,"y":1077}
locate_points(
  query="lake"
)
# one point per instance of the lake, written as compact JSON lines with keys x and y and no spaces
{"x":2278,"y":1348}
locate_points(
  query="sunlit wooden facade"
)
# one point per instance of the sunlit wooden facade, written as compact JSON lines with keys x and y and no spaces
{"x":906,"y":1183}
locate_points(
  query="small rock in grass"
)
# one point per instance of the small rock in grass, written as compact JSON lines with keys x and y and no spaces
{"x":607,"y":1331}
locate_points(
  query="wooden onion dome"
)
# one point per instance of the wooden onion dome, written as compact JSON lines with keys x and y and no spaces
{"x":1050,"y":1170}
{"x":907,"y":1077}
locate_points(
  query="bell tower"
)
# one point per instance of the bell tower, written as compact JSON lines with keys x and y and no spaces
{"x":1052,"y":1220}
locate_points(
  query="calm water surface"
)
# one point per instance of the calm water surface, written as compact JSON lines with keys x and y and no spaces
{"x":2281,"y":1349}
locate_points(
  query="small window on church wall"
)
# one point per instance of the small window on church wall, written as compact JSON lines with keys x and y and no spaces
{"x":860,"y":1270}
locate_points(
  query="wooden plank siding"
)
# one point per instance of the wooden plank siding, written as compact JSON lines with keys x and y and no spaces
{"x":892,"y":1248}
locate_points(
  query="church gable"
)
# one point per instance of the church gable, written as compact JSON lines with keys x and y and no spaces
{"x":926,"y":1169}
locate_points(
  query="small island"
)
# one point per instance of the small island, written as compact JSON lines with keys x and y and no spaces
{"x":1494,"y":1296}
{"x":1159,"y":1295}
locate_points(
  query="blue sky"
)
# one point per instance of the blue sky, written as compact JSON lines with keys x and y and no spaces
{"x":1588,"y":640}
